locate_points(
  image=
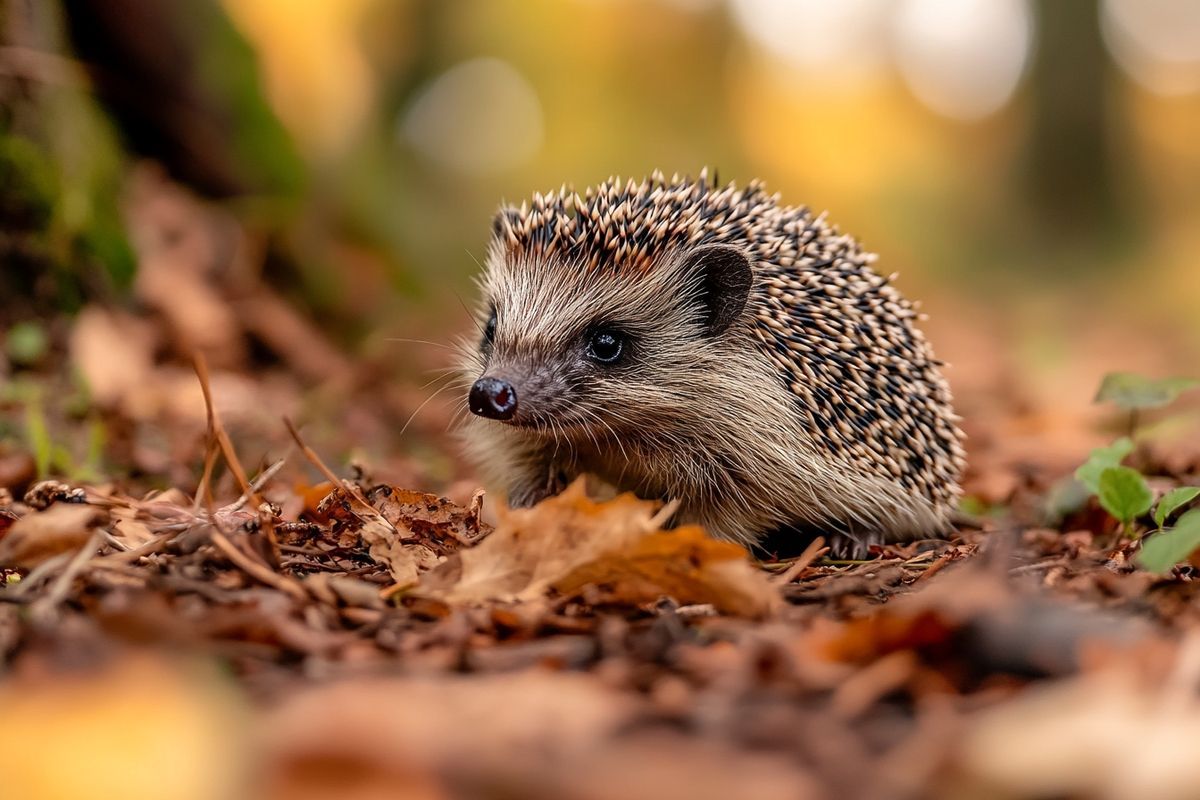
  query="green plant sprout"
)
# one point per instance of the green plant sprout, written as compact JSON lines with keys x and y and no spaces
{"x":1123,"y":491}
{"x":51,"y":457}
{"x":1135,"y":393}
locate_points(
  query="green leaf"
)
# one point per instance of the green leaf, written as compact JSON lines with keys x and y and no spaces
{"x":1124,"y":493}
{"x":1065,"y":497}
{"x":1129,"y":391}
{"x":1101,"y":459}
{"x":1164,"y":550}
{"x":1172,"y":501}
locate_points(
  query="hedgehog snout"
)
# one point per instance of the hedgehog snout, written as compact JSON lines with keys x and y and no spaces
{"x":493,"y":398}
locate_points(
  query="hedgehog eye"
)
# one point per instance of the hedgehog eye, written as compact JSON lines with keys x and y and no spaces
{"x":489,"y":330}
{"x":605,"y":346}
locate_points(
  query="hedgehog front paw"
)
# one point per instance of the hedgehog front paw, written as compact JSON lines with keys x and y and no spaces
{"x":789,"y":541}
{"x":527,"y":496}
{"x":854,"y":547}
{"x":530,"y":494}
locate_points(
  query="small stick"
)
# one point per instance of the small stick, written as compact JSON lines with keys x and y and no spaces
{"x":257,"y":484}
{"x":34,"y":577}
{"x":816,"y":548}
{"x":129,"y":555}
{"x":114,"y":542}
{"x":935,"y":567}
{"x":253,"y":568}
{"x":217,"y":430}
{"x":665,"y":513}
{"x":62,"y":584}
{"x":210,"y":461}
{"x":348,"y":487}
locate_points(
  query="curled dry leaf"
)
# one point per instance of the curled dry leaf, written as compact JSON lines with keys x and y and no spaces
{"x":42,"y":534}
{"x":685,"y":564}
{"x":433,"y":520}
{"x":569,"y":541}
{"x":408,"y":532}
{"x":405,"y":562}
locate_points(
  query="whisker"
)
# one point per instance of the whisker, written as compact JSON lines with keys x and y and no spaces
{"x":420,"y":407}
{"x":457,"y":418}
{"x":442,"y":345}
{"x":434,"y":380}
{"x":470,"y":314}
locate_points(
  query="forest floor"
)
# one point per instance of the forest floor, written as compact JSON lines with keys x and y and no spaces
{"x":206,"y":607}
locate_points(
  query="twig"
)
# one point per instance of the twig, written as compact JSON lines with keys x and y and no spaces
{"x":348,"y":487}
{"x":665,"y":513}
{"x":113,"y":541}
{"x":816,"y":548}
{"x":217,"y":430}
{"x":256,"y":485}
{"x":253,"y":568}
{"x":129,"y":555}
{"x":34,"y":577}
{"x":62,"y":584}
{"x":1021,"y":569}
{"x":859,"y":562}
{"x":211,"y":449}
{"x":936,"y":567}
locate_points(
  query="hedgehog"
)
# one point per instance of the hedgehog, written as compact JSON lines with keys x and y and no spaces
{"x":708,"y":345}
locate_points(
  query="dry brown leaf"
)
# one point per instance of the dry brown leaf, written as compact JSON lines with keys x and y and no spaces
{"x":434,"y":520}
{"x":129,"y":527}
{"x":570,"y":540}
{"x":40,"y":535}
{"x":685,"y":564}
{"x":533,"y":547}
{"x":409,"y":532}
{"x":404,"y":562}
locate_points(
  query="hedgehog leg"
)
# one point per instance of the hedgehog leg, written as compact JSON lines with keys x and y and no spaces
{"x":853,"y":546}
{"x":789,"y":541}
{"x":535,"y":483}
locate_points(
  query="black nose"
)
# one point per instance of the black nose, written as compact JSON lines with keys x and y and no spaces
{"x":493,"y":398}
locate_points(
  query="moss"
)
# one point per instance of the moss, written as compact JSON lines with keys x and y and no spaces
{"x":27,"y":185}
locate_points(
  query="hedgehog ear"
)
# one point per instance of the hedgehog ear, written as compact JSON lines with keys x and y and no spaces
{"x":725,"y":280}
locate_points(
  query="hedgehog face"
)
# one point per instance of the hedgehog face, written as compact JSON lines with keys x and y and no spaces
{"x":569,"y":351}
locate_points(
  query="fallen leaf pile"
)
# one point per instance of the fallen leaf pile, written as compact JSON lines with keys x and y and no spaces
{"x":365,"y":640}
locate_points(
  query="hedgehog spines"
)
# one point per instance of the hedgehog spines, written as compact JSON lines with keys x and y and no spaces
{"x":839,"y":337}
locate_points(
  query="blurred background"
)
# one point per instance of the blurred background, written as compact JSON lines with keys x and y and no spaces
{"x":302,"y":192}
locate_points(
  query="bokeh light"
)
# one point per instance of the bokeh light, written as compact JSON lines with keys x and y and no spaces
{"x":1156,"y":42}
{"x":843,"y":42}
{"x":479,"y":116}
{"x":963,"y":58}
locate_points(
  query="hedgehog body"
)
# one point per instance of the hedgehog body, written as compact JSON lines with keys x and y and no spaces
{"x":711,"y":346}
